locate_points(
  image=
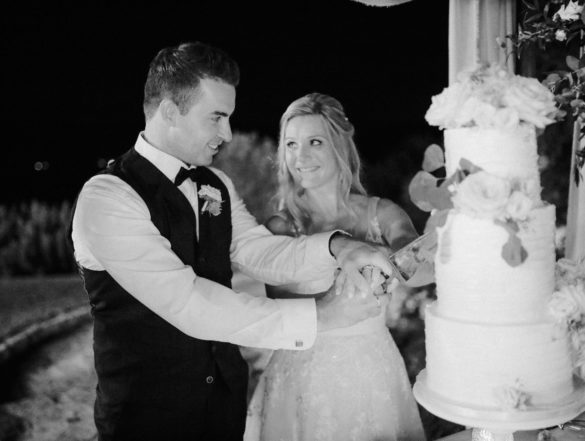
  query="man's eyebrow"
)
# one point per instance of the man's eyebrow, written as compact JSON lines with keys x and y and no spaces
{"x":219,"y":113}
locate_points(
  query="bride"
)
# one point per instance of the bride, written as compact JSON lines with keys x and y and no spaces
{"x":352,"y":384}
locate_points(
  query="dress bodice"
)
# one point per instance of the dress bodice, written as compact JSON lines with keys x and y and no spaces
{"x":372,"y":234}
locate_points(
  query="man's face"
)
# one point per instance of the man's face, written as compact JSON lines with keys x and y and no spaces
{"x":195,"y":137}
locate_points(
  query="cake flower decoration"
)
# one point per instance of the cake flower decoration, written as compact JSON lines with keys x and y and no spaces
{"x":487,"y":97}
{"x":512,"y":397}
{"x":567,"y":307}
{"x":477,"y":193}
{"x":490,"y":97}
{"x":482,"y":195}
{"x":212,"y":198}
{"x":569,"y":272}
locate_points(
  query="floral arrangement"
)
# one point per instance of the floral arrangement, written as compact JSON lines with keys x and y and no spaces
{"x":512,"y":397}
{"x":477,"y":193}
{"x":546,"y":22}
{"x":484,"y":195}
{"x":490,"y":97}
{"x":568,"y":272}
{"x":559,"y":22}
{"x":486,"y":97}
{"x":567,"y":307}
{"x":212,"y":198}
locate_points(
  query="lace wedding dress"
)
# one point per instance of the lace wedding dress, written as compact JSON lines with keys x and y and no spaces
{"x":351,"y":385}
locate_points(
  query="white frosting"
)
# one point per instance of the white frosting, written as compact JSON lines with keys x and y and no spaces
{"x":474,"y":282}
{"x":504,"y":153}
{"x":470,"y":362}
{"x":489,"y":329}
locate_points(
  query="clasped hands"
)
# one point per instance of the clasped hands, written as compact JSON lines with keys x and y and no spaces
{"x":360,"y":279}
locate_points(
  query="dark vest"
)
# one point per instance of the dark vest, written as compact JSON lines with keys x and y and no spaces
{"x":155,"y":382}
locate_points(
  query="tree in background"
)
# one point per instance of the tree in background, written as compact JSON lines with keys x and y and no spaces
{"x":250,"y":161}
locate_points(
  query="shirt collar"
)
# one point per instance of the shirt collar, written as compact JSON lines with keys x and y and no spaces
{"x":167,"y":164}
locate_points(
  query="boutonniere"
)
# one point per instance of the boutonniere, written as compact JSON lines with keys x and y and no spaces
{"x":212,"y":198}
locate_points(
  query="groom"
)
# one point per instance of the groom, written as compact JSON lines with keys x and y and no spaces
{"x":156,"y":235}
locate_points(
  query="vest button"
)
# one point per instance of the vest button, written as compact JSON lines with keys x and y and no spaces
{"x":209,"y":379}
{"x":213,"y":349}
{"x":202,"y":260}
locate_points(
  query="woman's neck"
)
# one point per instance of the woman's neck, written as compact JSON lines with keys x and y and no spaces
{"x":326,"y":210}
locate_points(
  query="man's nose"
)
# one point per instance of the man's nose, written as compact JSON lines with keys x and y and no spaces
{"x":225,"y":132}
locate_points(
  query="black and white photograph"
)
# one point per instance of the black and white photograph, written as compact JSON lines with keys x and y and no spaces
{"x":319,"y":220}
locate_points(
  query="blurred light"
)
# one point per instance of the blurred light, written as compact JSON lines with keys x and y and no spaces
{"x":103,"y":162}
{"x":41,"y":165}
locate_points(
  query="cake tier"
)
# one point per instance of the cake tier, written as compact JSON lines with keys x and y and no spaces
{"x":476,"y":284}
{"x":505,"y":153}
{"x":474,"y":364}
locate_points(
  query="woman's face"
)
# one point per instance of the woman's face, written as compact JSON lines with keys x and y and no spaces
{"x":308,"y":152}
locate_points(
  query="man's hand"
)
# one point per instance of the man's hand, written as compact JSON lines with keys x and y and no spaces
{"x":343,"y":306}
{"x":352,"y":255}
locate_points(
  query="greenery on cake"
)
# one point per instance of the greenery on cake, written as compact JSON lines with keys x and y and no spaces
{"x":476,"y":193}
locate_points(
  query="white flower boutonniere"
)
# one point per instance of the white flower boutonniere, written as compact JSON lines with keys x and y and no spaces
{"x":212,"y":198}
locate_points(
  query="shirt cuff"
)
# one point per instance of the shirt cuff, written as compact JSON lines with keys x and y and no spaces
{"x":333,"y":234}
{"x":299,"y":323}
{"x":320,"y":242}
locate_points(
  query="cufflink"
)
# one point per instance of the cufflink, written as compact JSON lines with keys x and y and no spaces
{"x":298,"y":343}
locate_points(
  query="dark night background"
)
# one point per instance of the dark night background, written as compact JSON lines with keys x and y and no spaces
{"x":73,"y":74}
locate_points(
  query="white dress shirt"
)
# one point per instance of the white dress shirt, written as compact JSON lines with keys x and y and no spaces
{"x":112,"y":231}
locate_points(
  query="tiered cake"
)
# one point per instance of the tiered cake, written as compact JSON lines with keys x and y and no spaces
{"x":496,"y":356}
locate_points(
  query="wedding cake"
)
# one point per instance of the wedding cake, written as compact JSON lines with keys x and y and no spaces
{"x":498,"y":344}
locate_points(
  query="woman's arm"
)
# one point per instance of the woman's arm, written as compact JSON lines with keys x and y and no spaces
{"x":395,"y":225}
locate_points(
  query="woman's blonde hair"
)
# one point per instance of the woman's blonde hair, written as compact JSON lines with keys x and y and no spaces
{"x":340,"y":133}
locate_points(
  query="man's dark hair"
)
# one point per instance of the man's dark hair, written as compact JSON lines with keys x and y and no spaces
{"x":175,"y":73}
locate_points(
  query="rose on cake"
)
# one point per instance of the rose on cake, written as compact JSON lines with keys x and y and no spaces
{"x":512,"y":397}
{"x":490,"y":97}
{"x":567,"y":307}
{"x":482,"y":195}
{"x":569,"y":272}
{"x":519,"y":205}
{"x":568,"y":304}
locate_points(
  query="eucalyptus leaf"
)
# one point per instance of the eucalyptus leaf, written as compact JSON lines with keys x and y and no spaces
{"x":551,"y":79}
{"x":511,"y":226}
{"x":467,"y":166}
{"x":437,"y":219}
{"x":434,"y":158}
{"x":421,"y":188}
{"x":513,"y":252}
{"x":532,"y":19}
{"x":571,"y":38}
{"x":425,"y":194}
{"x":572,"y":62}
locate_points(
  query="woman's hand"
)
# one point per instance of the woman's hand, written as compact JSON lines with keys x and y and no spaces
{"x":353,"y":255}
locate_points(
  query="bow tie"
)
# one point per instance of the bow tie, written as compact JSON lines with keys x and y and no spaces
{"x":188,"y":173}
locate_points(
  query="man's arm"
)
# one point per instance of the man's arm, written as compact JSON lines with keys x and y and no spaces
{"x":112,"y":231}
{"x":277,"y":260}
